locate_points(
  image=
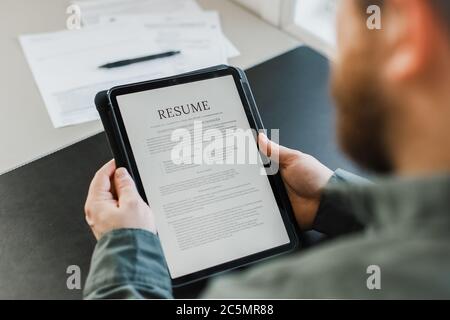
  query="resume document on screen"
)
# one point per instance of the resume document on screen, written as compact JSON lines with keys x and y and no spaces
{"x":206,"y":214}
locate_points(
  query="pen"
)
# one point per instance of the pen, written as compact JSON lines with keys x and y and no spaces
{"x":127,"y":62}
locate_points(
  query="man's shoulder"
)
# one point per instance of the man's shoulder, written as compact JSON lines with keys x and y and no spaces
{"x":357,"y":266}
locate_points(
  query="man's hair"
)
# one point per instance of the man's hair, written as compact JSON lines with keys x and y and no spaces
{"x":442,"y":8}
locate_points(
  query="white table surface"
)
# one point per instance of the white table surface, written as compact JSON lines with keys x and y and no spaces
{"x":26,"y":132}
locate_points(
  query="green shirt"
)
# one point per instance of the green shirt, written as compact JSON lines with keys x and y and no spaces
{"x":400,"y":226}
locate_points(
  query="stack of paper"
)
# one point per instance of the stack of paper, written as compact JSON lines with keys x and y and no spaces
{"x":95,"y":11}
{"x":65,"y":64}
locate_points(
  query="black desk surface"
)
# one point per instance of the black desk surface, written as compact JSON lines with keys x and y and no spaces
{"x":42,"y":227}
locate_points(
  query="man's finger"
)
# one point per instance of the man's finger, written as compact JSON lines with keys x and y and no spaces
{"x":124,"y":185}
{"x":102,"y":179}
{"x":274,"y":151}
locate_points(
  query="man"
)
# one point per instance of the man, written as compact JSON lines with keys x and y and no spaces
{"x":393,"y":102}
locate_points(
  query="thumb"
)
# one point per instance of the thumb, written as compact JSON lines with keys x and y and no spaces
{"x":124,"y":184}
{"x":274,"y":151}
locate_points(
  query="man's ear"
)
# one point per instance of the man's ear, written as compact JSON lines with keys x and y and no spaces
{"x":411,"y":37}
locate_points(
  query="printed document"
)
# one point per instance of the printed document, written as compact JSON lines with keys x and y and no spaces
{"x":65,"y":64}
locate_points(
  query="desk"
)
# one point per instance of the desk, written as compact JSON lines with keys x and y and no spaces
{"x":42,"y":229}
{"x":26,"y":132}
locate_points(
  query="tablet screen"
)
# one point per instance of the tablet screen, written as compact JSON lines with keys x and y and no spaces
{"x":208,"y":212}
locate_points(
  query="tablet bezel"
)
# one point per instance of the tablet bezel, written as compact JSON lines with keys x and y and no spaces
{"x":275,"y":181}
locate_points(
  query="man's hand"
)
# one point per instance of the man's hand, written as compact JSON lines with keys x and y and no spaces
{"x":113,"y":203}
{"x":304,"y":178}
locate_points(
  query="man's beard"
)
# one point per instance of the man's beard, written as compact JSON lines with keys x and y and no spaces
{"x":361,"y":114}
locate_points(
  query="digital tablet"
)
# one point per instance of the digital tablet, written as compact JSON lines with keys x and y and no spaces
{"x":179,"y":138}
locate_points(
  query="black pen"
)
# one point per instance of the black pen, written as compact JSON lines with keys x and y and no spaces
{"x":127,"y":62}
